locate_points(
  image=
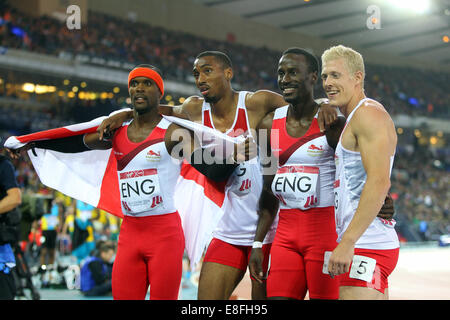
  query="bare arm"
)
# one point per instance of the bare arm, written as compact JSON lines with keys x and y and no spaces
{"x":262,"y":102}
{"x":93,"y":141}
{"x":376,"y":140}
{"x":182,"y":144}
{"x":190,"y":109}
{"x":12,"y":200}
{"x":268,"y":204}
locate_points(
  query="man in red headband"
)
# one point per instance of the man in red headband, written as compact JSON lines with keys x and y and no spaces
{"x":151,"y":242}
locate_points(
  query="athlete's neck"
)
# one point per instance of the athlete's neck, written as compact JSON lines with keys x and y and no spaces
{"x":351,"y":105}
{"x":226,"y":105}
{"x":147,"y":119}
{"x":305,"y":110}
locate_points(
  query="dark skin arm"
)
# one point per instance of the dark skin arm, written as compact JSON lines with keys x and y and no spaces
{"x":268,"y":208}
{"x":262,"y":102}
{"x":258,"y":104}
{"x":190,"y":110}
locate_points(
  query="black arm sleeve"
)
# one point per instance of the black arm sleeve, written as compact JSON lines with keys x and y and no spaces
{"x":217,"y":172}
{"x":72,"y":144}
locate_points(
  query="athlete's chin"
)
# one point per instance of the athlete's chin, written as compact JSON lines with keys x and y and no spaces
{"x":210,"y":99}
{"x":143,"y":108}
{"x":292,"y":99}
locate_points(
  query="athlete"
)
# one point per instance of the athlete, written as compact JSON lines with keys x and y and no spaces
{"x":151,"y":242}
{"x":233,"y":113}
{"x":368,"y":247}
{"x":301,"y":187}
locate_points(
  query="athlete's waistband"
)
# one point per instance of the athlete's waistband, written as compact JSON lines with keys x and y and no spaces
{"x":315,"y":210}
{"x":148,"y":215}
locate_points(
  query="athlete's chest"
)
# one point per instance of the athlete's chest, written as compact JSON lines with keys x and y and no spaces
{"x":348,"y":139}
{"x":150,"y":152}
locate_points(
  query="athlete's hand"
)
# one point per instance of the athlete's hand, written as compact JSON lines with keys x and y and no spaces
{"x":246,"y":150}
{"x":255,"y":264}
{"x":113,"y":122}
{"x":16,"y":153}
{"x":341,"y":258}
{"x":387,"y":211}
{"x":327,"y":116}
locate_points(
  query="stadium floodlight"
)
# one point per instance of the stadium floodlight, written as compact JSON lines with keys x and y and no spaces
{"x":419,"y":6}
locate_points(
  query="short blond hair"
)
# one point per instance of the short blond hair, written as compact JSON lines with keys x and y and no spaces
{"x":353,"y":59}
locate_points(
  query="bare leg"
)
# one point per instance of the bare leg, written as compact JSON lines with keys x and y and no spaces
{"x":217,"y":281}
{"x":360,"y":293}
{"x":51,"y":259}
{"x":43,"y":255}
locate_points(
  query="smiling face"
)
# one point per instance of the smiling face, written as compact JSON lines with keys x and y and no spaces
{"x":339,"y":83}
{"x":211,"y":78}
{"x":144,"y":94}
{"x":294,"y":78}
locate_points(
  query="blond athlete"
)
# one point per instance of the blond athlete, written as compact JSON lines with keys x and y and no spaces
{"x":368,"y":247}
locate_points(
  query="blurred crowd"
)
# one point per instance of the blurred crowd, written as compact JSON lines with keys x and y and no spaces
{"x":402,"y":90}
{"x":419,"y":184}
{"x":420,"y":181}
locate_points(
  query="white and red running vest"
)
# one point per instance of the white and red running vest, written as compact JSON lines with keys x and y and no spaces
{"x":350,"y":180}
{"x":243,"y":188}
{"x":306,"y":170}
{"x":146,"y":172}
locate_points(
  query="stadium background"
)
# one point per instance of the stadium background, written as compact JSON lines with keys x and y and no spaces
{"x":52,"y":75}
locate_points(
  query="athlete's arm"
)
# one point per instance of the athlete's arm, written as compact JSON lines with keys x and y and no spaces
{"x":376,"y":139}
{"x":262,"y":102}
{"x":181,"y":144}
{"x":74,"y":144}
{"x":334,"y":132}
{"x":190,"y":109}
{"x":327,"y":116}
{"x":268,"y":204}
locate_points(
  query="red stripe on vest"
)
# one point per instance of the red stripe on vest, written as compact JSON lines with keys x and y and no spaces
{"x":287,"y":144}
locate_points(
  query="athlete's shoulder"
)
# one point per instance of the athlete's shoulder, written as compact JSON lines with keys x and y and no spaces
{"x":371,"y":110}
{"x":371,"y":117}
{"x":264,"y":98}
{"x":193,"y":105}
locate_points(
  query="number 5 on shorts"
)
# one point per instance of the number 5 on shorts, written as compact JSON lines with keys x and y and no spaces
{"x":362,"y":268}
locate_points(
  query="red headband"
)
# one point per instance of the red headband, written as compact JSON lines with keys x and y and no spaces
{"x":148,"y":73}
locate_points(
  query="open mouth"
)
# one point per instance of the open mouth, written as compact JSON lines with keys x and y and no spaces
{"x":288,"y":91}
{"x":204,"y":91}
{"x":140,"y":99}
{"x":332,"y":93}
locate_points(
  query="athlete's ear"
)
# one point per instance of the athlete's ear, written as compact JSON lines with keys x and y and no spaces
{"x":359,"y":76}
{"x":228,"y":74}
{"x":314,"y":77}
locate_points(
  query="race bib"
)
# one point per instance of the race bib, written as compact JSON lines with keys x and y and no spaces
{"x":296,"y":186}
{"x":362,"y":268}
{"x":242,"y":180}
{"x":140,"y":190}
